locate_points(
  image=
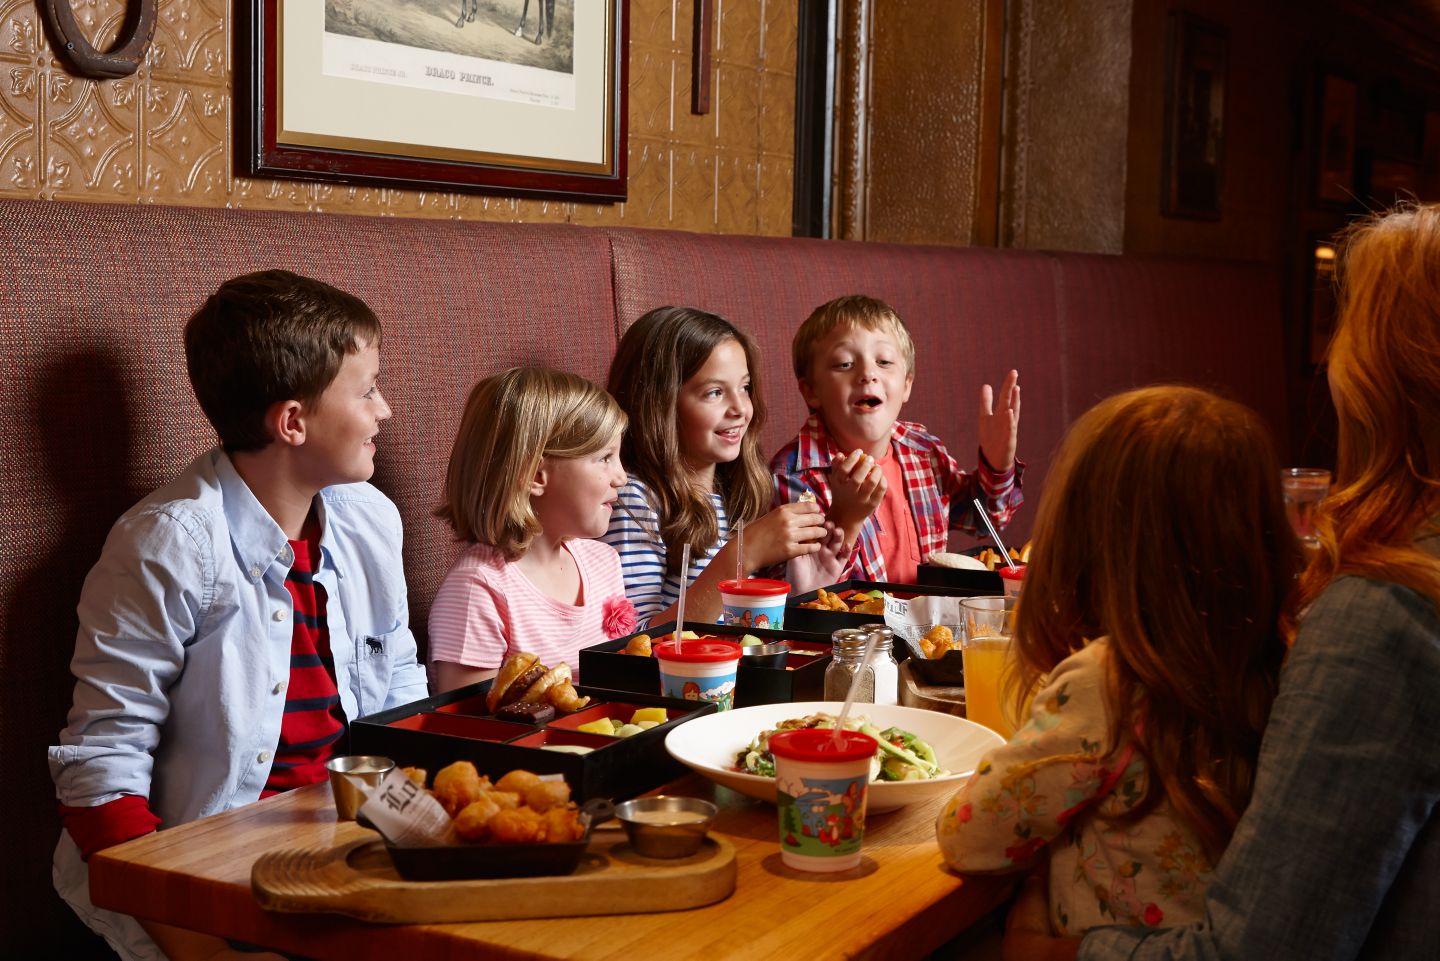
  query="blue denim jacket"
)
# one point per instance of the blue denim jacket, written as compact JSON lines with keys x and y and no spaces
{"x":183,"y":652}
{"x":1338,"y":855}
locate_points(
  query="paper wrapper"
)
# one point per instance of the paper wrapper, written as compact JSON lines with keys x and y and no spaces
{"x":407,"y":814}
{"x":912,"y":619}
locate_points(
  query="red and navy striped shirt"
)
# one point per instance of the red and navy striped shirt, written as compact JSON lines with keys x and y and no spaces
{"x":314,"y":721}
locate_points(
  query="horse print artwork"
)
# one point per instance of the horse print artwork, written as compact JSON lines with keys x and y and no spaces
{"x":468,"y":9}
{"x":544,"y":19}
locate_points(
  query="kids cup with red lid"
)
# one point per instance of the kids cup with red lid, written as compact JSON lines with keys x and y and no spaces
{"x":820,"y":791}
{"x":754,"y":602}
{"x":1011,"y":578}
{"x":698,"y":670}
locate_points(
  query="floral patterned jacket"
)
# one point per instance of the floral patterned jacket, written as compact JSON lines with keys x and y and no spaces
{"x":1051,"y":786}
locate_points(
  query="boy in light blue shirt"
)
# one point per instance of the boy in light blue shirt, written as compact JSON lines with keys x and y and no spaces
{"x":190,"y":622}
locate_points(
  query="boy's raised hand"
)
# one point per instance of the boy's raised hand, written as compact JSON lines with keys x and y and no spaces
{"x":1000,"y":422}
{"x":857,"y":486}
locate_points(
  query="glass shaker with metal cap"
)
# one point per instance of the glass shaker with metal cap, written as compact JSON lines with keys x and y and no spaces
{"x":880,"y":682}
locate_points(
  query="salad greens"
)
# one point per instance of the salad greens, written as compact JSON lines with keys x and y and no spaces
{"x":901,"y":755}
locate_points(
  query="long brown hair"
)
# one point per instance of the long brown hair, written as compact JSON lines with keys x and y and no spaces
{"x":513,"y":420}
{"x":1385,"y":379}
{"x":659,"y":353}
{"x":1162,"y":527}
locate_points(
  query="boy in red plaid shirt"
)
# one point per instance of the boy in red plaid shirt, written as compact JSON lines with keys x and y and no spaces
{"x":888,"y":484}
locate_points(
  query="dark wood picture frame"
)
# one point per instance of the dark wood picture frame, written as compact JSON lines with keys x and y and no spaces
{"x":267,"y":150}
{"x":1335,"y":136}
{"x":1197,"y":52}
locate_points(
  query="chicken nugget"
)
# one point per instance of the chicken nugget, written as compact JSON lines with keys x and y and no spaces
{"x":417,"y":774}
{"x":518,"y":781}
{"x":457,"y":785}
{"x":518,"y":826}
{"x":545,"y":795}
{"x":473,"y":821}
{"x":639,"y":645}
{"x":561,"y":825}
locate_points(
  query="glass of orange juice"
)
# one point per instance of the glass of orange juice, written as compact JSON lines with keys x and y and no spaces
{"x":985,"y":647}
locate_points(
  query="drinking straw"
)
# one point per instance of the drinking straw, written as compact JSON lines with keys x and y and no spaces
{"x":680,"y":601}
{"x":739,"y":551}
{"x":994,"y":534}
{"x":870,"y":644}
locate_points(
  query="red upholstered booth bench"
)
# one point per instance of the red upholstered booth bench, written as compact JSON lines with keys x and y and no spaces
{"x":98,"y":410}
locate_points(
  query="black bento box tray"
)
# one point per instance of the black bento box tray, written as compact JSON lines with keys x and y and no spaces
{"x":455,"y":726}
{"x":802,"y":678}
{"x":827,"y":622}
{"x":982,"y":582}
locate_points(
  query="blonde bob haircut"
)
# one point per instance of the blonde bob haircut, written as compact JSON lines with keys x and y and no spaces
{"x":854,"y":310}
{"x":1162,"y":528}
{"x":1384,"y":370}
{"x":513,"y":421}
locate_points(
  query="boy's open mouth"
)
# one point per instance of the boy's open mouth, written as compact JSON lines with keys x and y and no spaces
{"x":869,"y":402}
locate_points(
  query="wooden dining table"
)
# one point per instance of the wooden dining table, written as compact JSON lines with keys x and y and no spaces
{"x":901,"y":902}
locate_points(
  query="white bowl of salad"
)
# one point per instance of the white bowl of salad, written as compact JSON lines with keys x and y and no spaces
{"x":924,"y":754}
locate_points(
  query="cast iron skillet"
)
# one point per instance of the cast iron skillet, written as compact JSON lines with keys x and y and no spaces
{"x":463,"y":861}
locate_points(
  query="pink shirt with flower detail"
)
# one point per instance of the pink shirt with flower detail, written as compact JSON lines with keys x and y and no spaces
{"x":487,"y":608}
{"x":1050,"y":786}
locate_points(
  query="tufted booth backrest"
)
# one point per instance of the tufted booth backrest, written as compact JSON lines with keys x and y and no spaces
{"x":97,"y":409}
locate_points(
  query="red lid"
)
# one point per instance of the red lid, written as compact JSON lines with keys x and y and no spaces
{"x":755,"y":587}
{"x":1011,"y":573}
{"x":818,"y":744}
{"x":696,"y":651}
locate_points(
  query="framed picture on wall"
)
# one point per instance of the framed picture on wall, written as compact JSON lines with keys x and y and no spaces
{"x":524,"y":97}
{"x":1194,"y":151}
{"x":1335,"y":142}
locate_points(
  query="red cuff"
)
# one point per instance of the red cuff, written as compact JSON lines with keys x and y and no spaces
{"x":106,"y":825}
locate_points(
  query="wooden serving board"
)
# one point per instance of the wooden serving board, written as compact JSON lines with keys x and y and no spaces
{"x":357,"y":879}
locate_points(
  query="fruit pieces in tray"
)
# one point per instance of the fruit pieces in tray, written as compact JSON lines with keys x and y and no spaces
{"x":641,"y":644}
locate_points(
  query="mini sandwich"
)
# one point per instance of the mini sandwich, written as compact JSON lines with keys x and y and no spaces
{"x":516,"y":676}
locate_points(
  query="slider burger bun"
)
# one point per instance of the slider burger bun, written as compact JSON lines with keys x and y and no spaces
{"x":513,"y":680}
{"x":959,"y":561}
{"x":539,"y":690}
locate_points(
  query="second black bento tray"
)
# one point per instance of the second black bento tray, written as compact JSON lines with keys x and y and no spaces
{"x":827,"y":622}
{"x":801,"y":678}
{"x":456,"y":726}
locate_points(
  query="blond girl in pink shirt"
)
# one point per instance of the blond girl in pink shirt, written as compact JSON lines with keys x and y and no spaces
{"x":533,"y":476}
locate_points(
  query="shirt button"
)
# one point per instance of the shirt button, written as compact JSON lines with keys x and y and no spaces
{"x":256,"y":571}
{"x":279,"y":615}
{"x":263,"y":757}
{"x":279,"y":688}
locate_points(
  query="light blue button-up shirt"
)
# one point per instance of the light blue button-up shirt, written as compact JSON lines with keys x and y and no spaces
{"x":183,"y":652}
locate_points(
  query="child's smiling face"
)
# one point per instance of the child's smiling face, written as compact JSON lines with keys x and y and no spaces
{"x":858,"y":382}
{"x":714,"y":409}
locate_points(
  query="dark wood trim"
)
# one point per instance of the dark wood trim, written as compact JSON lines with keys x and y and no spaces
{"x":700,"y":53}
{"x":986,"y":221}
{"x":814,"y":117}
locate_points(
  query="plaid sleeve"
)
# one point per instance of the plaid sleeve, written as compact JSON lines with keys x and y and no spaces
{"x":999,"y":491}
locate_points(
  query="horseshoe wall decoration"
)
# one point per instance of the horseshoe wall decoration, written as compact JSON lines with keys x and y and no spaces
{"x":121,"y":60}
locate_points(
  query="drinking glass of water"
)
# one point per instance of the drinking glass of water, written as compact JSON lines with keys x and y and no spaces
{"x":1304,"y":489}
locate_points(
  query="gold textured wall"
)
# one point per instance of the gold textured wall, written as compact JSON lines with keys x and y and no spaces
{"x":166,"y":134}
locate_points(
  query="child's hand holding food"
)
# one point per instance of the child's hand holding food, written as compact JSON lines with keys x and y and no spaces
{"x":857,"y":486}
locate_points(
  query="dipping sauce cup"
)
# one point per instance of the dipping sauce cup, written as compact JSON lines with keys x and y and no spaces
{"x":754,"y":602}
{"x":349,"y":770}
{"x":698,"y":670}
{"x":821,"y":788}
{"x":985,"y":647}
